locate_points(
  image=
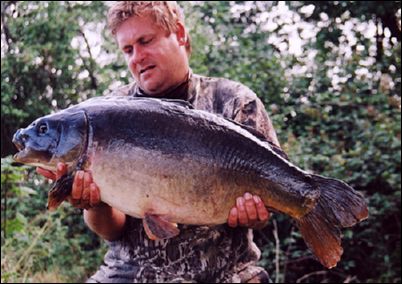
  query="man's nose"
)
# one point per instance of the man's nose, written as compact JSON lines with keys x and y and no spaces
{"x":137,"y":56}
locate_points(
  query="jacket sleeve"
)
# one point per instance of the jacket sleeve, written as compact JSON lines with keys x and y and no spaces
{"x":250,"y":111}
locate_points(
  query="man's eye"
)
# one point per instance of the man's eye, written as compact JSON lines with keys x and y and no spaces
{"x":146,"y":41}
{"x":127,"y":50}
{"x":42,"y":129}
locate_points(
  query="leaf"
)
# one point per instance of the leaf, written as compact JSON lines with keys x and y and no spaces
{"x":25,"y":191}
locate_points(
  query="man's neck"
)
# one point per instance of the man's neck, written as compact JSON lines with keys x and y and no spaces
{"x":178,"y":91}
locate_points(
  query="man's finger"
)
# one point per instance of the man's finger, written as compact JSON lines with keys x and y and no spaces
{"x":76,"y":193}
{"x":86,"y":190}
{"x":263,"y":214}
{"x":94,"y":195}
{"x":61,"y":170}
{"x":232,"y":219}
{"x":250,"y":208}
{"x":241,"y":211}
{"x":46,"y":173}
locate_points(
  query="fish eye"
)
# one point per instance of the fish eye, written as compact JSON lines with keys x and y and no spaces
{"x":42,"y":128}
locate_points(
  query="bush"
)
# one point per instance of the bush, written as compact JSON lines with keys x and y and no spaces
{"x":37,"y":245}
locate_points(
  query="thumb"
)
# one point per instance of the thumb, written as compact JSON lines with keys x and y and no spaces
{"x":47,"y":174}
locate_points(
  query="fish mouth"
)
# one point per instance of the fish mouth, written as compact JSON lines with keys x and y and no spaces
{"x":30,"y":156}
{"x":23,"y":152}
{"x":20,"y":146}
{"x":19,"y":140}
{"x":24,"y":155}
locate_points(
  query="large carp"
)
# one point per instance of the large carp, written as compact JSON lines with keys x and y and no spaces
{"x":164,"y":162}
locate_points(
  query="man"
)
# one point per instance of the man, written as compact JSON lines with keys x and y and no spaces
{"x":157,"y":47}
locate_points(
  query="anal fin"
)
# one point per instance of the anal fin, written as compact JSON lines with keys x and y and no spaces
{"x":158,"y":228}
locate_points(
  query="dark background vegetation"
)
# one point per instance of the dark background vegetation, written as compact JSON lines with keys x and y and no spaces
{"x":335,"y":104}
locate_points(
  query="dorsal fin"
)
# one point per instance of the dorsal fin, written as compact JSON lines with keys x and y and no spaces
{"x":251,"y":130}
{"x":180,"y":102}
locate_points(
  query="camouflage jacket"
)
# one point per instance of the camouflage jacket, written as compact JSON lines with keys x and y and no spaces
{"x":198,"y":253}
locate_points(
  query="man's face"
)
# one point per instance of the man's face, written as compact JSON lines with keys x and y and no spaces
{"x":157,"y":61}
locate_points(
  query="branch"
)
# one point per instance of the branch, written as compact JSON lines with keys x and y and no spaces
{"x":390,"y":21}
{"x":277,"y":251}
{"x":91,"y":66}
{"x":286,"y":262}
{"x":321,"y":272}
{"x":5,"y":29}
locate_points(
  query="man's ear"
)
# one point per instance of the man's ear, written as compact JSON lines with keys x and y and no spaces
{"x":181,"y":33}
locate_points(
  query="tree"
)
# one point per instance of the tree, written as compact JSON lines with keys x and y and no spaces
{"x":383,"y":14}
{"x":41,"y":69}
{"x":335,"y":104}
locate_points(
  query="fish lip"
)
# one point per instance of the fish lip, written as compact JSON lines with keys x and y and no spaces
{"x":19,"y":156}
{"x":30,"y":156}
{"x":19,"y":140}
{"x":19,"y":146}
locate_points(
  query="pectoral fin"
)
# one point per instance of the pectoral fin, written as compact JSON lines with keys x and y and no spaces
{"x":59,"y":192}
{"x":157,"y":228}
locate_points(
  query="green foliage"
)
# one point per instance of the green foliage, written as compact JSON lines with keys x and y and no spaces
{"x":36,"y":245}
{"x":232,"y":46}
{"x":40,"y":68}
{"x":340,"y":116}
{"x":350,"y":131}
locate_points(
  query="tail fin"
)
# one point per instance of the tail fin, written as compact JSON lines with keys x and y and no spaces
{"x":339,"y":206}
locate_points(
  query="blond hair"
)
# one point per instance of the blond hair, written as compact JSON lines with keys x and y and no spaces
{"x":166,"y":14}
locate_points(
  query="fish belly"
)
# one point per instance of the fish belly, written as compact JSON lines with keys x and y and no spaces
{"x":183,"y":190}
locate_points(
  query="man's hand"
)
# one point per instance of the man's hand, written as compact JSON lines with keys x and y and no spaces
{"x":102,"y":219}
{"x":249,"y":212}
{"x":85,"y":193}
